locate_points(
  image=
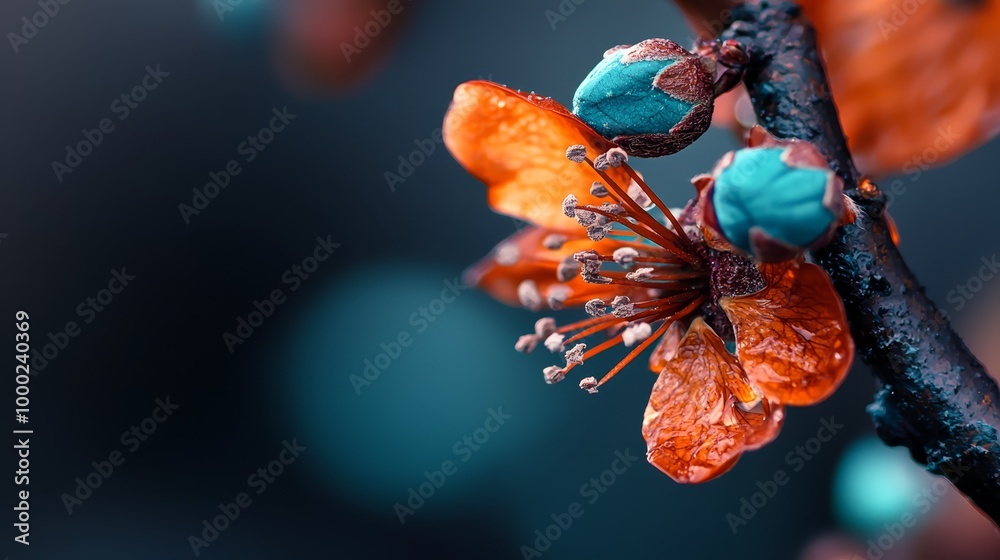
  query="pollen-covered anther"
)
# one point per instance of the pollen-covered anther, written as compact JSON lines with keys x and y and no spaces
{"x":567,"y":269}
{"x":554,"y":374}
{"x":553,"y":241}
{"x":576,"y":153}
{"x":526,"y":343}
{"x":612,"y":209}
{"x":529,"y":296}
{"x":557,"y":295}
{"x":589,"y":384}
{"x":575,"y":354}
{"x":616,"y":156}
{"x":507,"y":254}
{"x":591,"y":273}
{"x":554,"y":343}
{"x":625,"y":256}
{"x":569,"y":205}
{"x":585,"y":218}
{"x":636,"y":332}
{"x":640,"y":274}
{"x":598,"y":232}
{"x":598,"y":189}
{"x":596,"y":308}
{"x":544,"y":327}
{"x":601,"y":162}
{"x":622,"y":307}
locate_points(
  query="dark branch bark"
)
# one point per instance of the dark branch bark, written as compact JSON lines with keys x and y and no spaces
{"x":936,"y":397}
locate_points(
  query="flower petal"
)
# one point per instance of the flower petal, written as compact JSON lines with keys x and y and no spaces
{"x":516,"y":144}
{"x":694,"y":426}
{"x":792,"y":337}
{"x":909,"y":83}
{"x":524,"y":256}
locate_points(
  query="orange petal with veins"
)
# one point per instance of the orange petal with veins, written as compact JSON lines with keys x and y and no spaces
{"x":694,"y":427}
{"x":792,"y":337}
{"x":516,"y":144}
{"x":523,"y":257}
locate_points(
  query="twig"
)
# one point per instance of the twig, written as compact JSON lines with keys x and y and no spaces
{"x":936,"y":398}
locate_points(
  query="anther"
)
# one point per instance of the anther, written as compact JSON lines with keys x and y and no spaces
{"x":576,"y":153}
{"x":596,"y":308}
{"x":554,"y":343}
{"x":636,"y":332}
{"x":554,"y":374}
{"x":553,"y":241}
{"x":625,"y":256}
{"x":575,"y":355}
{"x":529,"y":296}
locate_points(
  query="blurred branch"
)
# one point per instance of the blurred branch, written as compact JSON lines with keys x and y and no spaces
{"x":936,"y":398}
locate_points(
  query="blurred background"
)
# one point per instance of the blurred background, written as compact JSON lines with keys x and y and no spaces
{"x":200,"y":187}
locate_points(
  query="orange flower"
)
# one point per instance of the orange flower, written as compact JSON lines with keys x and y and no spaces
{"x":910,"y":78}
{"x":601,"y":239}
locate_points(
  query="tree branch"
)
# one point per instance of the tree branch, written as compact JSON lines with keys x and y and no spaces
{"x":936,"y":398}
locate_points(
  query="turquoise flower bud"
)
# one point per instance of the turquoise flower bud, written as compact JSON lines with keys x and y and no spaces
{"x":652,"y":99}
{"x":774,"y":201}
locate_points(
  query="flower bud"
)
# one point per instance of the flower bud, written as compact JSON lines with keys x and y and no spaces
{"x":653,"y":99}
{"x":774,"y":201}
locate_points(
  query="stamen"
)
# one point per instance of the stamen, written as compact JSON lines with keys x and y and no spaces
{"x":575,"y":355}
{"x":567,"y":269}
{"x":601,"y":162}
{"x":596,"y":308}
{"x":507,"y":254}
{"x":569,"y":205}
{"x":526,"y":343}
{"x":640,"y":274}
{"x":555,"y":343}
{"x":576,"y":153}
{"x":529,"y":296}
{"x":544,"y":327}
{"x":625,"y":256}
{"x":636,"y":332}
{"x":554,"y":374}
{"x":622,"y":307}
{"x":557,"y":296}
{"x":616,"y":156}
{"x":553,"y":241}
{"x":598,"y":190}
{"x":589,"y":384}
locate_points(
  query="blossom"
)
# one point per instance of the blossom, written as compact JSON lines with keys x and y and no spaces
{"x":735,"y":339}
